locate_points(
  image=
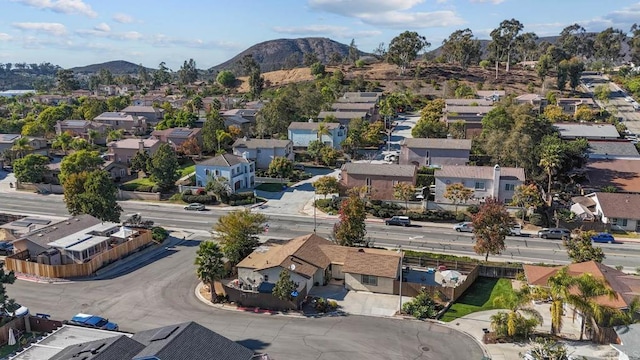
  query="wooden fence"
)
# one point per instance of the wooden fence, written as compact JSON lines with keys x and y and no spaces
{"x":58,"y":189}
{"x":19,"y":262}
{"x":16,"y":324}
{"x":448,"y":294}
{"x":262,"y":300}
{"x":492,"y":271}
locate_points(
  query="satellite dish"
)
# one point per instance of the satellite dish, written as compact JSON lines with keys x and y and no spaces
{"x":292,"y":267}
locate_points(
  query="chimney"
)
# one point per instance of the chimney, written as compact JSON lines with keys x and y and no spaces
{"x":496,"y":181}
{"x":141,"y":145}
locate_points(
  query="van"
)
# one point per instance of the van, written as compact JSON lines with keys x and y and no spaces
{"x":399,"y":221}
{"x":516,"y":230}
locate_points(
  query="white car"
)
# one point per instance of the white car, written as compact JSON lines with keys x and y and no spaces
{"x":628,"y":99}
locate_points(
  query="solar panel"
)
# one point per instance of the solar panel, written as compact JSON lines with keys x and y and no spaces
{"x":21,"y":223}
{"x":164,"y":333}
{"x":38,"y":221}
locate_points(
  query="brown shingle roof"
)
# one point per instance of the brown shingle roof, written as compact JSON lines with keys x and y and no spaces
{"x":478,"y":172}
{"x":305,"y":125}
{"x":379,"y":169}
{"x":626,"y":286}
{"x":260,"y":143}
{"x":621,"y":173}
{"x":619,"y":205}
{"x":420,"y":143}
{"x":376,"y":262}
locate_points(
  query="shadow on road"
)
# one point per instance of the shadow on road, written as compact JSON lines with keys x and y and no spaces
{"x":253,"y":344}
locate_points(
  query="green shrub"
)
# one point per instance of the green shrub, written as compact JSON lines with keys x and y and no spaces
{"x":485,"y":64}
{"x":422,"y":307}
{"x":144,"y":188}
{"x":536,"y":219}
{"x":431,"y":215}
{"x":460,"y":216}
{"x":159,"y":233}
{"x":187,"y":192}
{"x":203,"y":199}
{"x":473,"y":209}
{"x":156,"y":189}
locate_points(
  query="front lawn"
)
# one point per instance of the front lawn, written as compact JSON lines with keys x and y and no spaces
{"x":270,"y":187}
{"x":479,"y":297}
{"x":187,"y":168}
{"x":135,"y":184}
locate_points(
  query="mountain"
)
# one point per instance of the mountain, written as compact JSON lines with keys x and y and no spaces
{"x":286,"y":53}
{"x":117,"y":67}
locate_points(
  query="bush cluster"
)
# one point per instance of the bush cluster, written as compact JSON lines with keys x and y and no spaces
{"x":159,"y":233}
{"x":243,"y":198}
{"x":432,"y":215}
{"x":382,"y":209}
{"x":200,"y":197}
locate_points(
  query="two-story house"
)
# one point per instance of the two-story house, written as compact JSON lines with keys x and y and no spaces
{"x":122,"y":151}
{"x":83,"y":128}
{"x":434,"y":152}
{"x":369,"y":108}
{"x":485,"y":181}
{"x":471,"y":116}
{"x":302,"y":133}
{"x":178,"y":136}
{"x":343,"y":117}
{"x":379,"y":179}
{"x":537,"y":102}
{"x":238,"y":171}
{"x":122,"y":121}
{"x":263,"y":151}
{"x":360,"y":97}
{"x":152,"y":114}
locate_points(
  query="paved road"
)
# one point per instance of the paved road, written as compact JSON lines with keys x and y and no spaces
{"x":162,"y":293}
{"x":433,"y":239}
{"x":616,"y":103}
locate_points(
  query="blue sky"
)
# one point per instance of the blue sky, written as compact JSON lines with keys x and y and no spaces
{"x":81,"y":32}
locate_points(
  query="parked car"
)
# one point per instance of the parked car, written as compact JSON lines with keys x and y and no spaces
{"x":6,"y":248}
{"x":398,"y":220}
{"x":93,"y":321}
{"x":628,"y":99}
{"x":516,"y":230}
{"x":466,"y":226}
{"x":195,"y":206}
{"x":554,"y":233}
{"x":298,"y":167}
{"x":603,"y":238}
{"x":21,"y":311}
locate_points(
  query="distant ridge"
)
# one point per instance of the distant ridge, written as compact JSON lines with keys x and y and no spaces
{"x":286,"y":53}
{"x":117,"y":67}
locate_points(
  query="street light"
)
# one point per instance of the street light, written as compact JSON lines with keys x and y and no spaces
{"x":400,"y":301}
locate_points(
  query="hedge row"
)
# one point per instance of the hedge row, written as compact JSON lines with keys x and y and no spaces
{"x":202,"y":199}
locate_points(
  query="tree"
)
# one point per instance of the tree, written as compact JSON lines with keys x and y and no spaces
{"x":190,"y":147}
{"x":7,"y":305}
{"x":237,"y":232}
{"x":309,"y":58}
{"x":526,"y":45}
{"x":79,"y":161}
{"x":526,"y":196}
{"x":92,"y":107}
{"x":315,"y":149}
{"x":608,"y":44}
{"x":554,"y":113}
{"x":188,"y":73}
{"x":284,"y":287}
{"x":583,"y":294}
{"x":457,"y":193}
{"x":322,"y":130}
{"x":141,"y":161}
{"x":326,"y":185}
{"x":280,"y":167}
{"x":164,"y":167}
{"x":572,"y":40}
{"x":404,"y":191}
{"x":162,"y":75}
{"x":222,"y":138}
{"x":115,"y":135}
{"x":575,"y":68}
{"x":421,"y":307}
{"x":66,"y":81}
{"x":462,"y":47}
{"x":548,"y":349}
{"x":634,"y":43}
{"x":212,"y":124}
{"x":558,"y":285}
{"x":550,"y":161}
{"x":584,"y":113}
{"x":210,"y":265}
{"x":62,"y":142}
{"x":92,"y":135}
{"x":21,"y":146}
{"x":226,"y":78}
{"x":491,"y":225}
{"x":542,"y":68}
{"x":353,"y":54}
{"x":30,"y":168}
{"x":93,"y":193}
{"x":581,"y":249}
{"x":350,"y":230}
{"x":517,"y":302}
{"x":503,"y":39}
{"x":404,"y":48}
{"x":602,"y":93}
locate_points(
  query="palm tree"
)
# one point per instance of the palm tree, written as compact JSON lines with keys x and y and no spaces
{"x":222,"y":137}
{"x":210,"y":266}
{"x":62,"y":141}
{"x":114,"y":135}
{"x":517,"y":302}
{"x":559,"y":285}
{"x":322,"y":130}
{"x":21,"y":146}
{"x":93,"y":135}
{"x":550,"y":160}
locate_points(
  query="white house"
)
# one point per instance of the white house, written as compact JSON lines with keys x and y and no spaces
{"x":239,"y":172}
{"x":302,"y":133}
{"x":620,"y":210}
{"x":485,"y":181}
{"x":263,"y":151}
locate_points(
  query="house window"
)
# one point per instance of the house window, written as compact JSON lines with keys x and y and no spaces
{"x":368,"y":185}
{"x":217,"y":172}
{"x":619,"y":222}
{"x":266,"y":278}
{"x":258,"y":151}
{"x":369,"y":280}
{"x":479,"y":185}
{"x":509,"y":187}
{"x":207,"y":172}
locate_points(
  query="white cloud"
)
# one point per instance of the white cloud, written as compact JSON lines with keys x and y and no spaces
{"x":162,"y":40}
{"x":104,"y":27}
{"x":61,"y":6}
{"x":495,"y":2}
{"x":325,"y":30}
{"x":5,"y":37}
{"x":123,"y":18}
{"x":56,"y":29}
{"x":127,"y":35}
{"x":388,"y":13}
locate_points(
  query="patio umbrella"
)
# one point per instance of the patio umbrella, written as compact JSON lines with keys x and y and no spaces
{"x":12,"y":337}
{"x":451,"y":275}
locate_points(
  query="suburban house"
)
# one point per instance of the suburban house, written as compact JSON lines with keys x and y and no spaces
{"x":152,"y":114}
{"x":434,"y":152}
{"x":627,"y":345}
{"x":468,"y":102}
{"x":572,"y":131}
{"x":122,"y":151}
{"x":177,"y":136}
{"x":188,"y":340}
{"x":35,"y":143}
{"x":244,"y":119}
{"x":621,"y":173}
{"x":612,"y":149}
{"x":73,"y":241}
{"x":369,"y":108}
{"x":122,"y":121}
{"x":571,"y":105}
{"x":343,"y":117}
{"x":470,"y":115}
{"x":302,"y":133}
{"x":485,"y":181}
{"x":83,"y":128}
{"x":313,"y":261}
{"x":360,"y":97}
{"x":621,"y":211}
{"x":238,"y":171}
{"x":537,"y":102}
{"x":262,"y":151}
{"x":626,"y":286}
{"x":379,"y":179}
{"x":493,"y":95}
{"x":146,"y":100}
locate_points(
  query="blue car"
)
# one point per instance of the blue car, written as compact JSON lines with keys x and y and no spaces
{"x":93,"y":321}
{"x":603,"y":238}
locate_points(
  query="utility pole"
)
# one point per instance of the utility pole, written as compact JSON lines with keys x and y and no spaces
{"x":401,"y":278}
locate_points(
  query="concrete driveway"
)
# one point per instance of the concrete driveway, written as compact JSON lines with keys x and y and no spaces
{"x":360,"y":302}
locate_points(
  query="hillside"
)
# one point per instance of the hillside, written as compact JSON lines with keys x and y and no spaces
{"x":117,"y":67}
{"x":286,"y":53}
